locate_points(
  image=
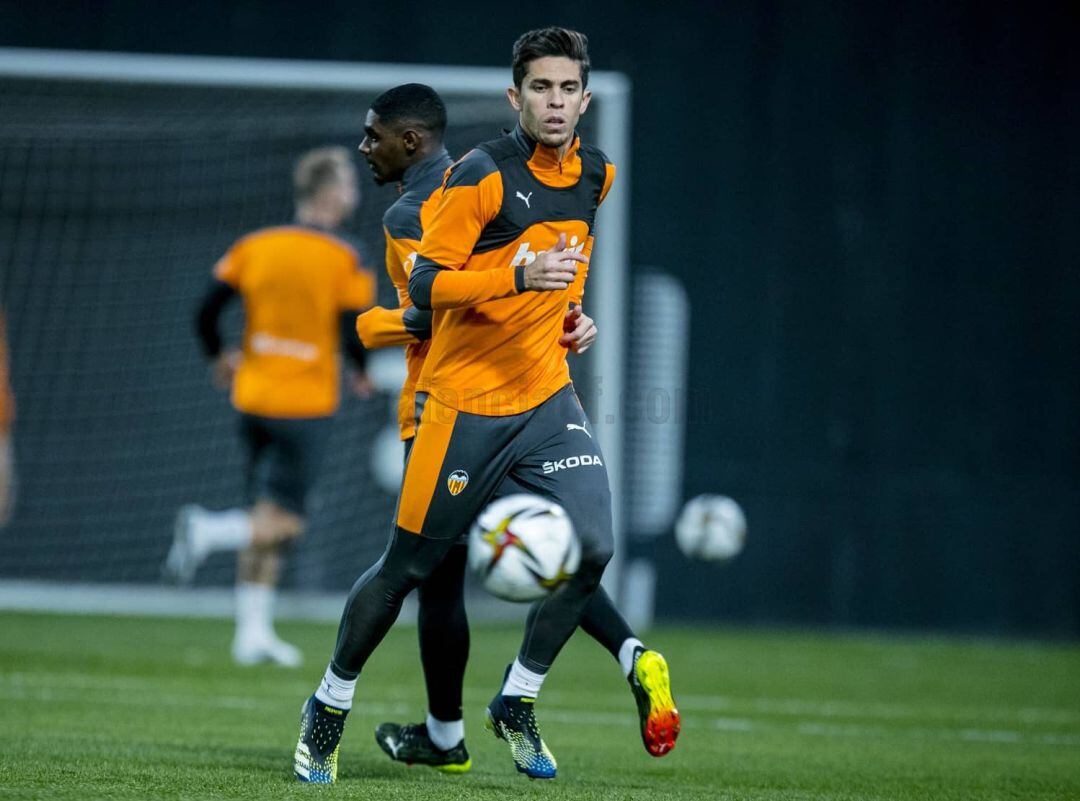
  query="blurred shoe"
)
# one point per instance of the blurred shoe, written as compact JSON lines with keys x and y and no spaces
{"x":316,"y":757}
{"x":183,"y":558}
{"x":651,"y":685}
{"x":254,"y":649}
{"x":513,"y":718}
{"x":412,"y":745}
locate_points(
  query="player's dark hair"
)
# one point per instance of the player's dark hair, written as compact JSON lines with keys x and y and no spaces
{"x":317,"y":168}
{"x":413,"y":103}
{"x":550,"y":42}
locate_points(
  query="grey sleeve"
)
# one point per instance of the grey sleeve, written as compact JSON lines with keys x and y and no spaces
{"x":417,"y":322}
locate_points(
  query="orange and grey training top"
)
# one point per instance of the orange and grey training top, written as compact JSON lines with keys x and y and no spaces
{"x":495,"y":345}
{"x":296,"y":281}
{"x":403,"y":224}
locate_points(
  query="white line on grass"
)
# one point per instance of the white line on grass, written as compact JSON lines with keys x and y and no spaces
{"x":784,"y":707}
{"x":126,"y":690}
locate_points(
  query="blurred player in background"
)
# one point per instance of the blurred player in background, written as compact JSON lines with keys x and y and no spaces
{"x":302,"y":287}
{"x":7,"y":419}
{"x":499,"y":403}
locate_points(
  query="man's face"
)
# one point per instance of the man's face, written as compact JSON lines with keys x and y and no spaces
{"x":550,"y":99}
{"x":384,"y":150}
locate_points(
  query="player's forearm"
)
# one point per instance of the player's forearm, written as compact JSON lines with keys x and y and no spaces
{"x":434,"y":287}
{"x":213,"y":303}
{"x":350,"y":342}
{"x":384,"y":328}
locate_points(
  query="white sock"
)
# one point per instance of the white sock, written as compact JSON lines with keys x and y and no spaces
{"x":336,"y":691}
{"x":522,"y":681}
{"x":254,"y":610}
{"x":626,"y":654}
{"x":445,"y":733}
{"x":220,"y":531}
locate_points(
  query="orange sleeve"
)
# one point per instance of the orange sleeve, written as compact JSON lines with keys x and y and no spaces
{"x":452,"y":290}
{"x":230,"y":266}
{"x":357,"y":287}
{"x":471,"y":198}
{"x":379,"y":327}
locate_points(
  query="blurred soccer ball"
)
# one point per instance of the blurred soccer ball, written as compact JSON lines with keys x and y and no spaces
{"x":711,"y":527}
{"x":523,"y":547}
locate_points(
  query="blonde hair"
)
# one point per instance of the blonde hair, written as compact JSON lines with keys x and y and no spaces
{"x":317,"y":168}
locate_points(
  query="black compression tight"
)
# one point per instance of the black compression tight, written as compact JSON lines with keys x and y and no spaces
{"x":604,"y":624}
{"x":375,"y":600}
{"x":437,"y":568}
{"x":552,"y":620}
{"x":444,"y":635}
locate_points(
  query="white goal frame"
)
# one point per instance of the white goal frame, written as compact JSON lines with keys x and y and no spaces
{"x":607,"y":297}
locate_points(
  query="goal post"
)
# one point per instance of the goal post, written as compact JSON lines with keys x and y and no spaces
{"x":123,"y":176}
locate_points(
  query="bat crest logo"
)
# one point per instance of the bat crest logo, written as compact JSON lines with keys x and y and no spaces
{"x":457,"y":481}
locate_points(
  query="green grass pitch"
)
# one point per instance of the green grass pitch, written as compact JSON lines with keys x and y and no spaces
{"x":131,"y":708}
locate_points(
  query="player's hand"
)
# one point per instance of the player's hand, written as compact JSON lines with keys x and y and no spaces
{"x":553,"y":269}
{"x":362,"y":385}
{"x":223,"y":370}
{"x":579,"y":331}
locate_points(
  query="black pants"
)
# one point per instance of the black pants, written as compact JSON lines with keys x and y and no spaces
{"x":549,"y":451}
{"x":283,"y":457}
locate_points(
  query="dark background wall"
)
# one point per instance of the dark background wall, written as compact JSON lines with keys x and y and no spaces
{"x":876,"y":210}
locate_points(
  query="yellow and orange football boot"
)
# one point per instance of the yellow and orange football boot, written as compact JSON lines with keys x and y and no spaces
{"x":651,"y":685}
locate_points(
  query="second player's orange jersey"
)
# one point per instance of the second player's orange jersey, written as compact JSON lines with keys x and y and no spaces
{"x":295,"y":282}
{"x":495,"y":346}
{"x":403,"y":224}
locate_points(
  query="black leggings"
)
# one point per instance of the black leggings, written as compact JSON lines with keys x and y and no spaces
{"x":444,"y":635}
{"x":437,"y":568}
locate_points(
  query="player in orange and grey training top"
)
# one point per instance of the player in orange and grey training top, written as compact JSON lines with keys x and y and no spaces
{"x":403,"y":142}
{"x":500,"y":263}
{"x":302,"y":286}
{"x":7,"y":419}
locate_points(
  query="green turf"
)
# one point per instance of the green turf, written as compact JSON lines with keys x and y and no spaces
{"x":142,"y":709}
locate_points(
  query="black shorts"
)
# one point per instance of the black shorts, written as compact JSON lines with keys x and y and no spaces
{"x":283,"y":458}
{"x":459,"y":462}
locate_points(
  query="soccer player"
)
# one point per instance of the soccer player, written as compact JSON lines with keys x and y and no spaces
{"x":501,"y":258}
{"x":302,"y":287}
{"x":7,"y":418}
{"x":403,"y":142}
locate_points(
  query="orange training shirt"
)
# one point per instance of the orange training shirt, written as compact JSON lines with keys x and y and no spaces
{"x":495,"y":348}
{"x":295,"y":282}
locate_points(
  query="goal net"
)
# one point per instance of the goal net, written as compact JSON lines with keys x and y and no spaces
{"x":122,"y":179}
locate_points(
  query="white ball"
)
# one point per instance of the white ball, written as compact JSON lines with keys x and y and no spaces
{"x":387,"y":462}
{"x":711,"y":527}
{"x":523,"y":547}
